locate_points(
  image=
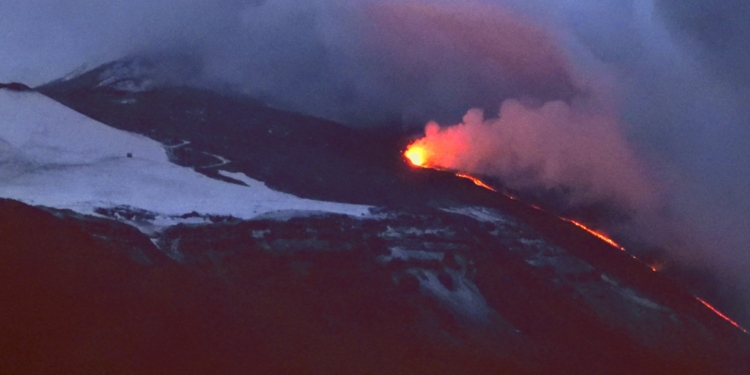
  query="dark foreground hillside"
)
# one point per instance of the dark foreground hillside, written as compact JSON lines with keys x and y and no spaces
{"x":319,"y":295}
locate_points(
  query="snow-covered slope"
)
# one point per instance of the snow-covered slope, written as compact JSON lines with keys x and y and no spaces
{"x":53,"y":156}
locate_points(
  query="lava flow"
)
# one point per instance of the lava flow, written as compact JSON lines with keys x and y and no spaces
{"x":476,"y":181}
{"x":419,"y":156}
{"x":595,"y":233}
{"x":717,"y":312}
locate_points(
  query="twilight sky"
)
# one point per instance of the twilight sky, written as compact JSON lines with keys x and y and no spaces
{"x":665,"y":82}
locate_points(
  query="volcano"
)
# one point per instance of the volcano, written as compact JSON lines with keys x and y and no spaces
{"x":151,"y":228}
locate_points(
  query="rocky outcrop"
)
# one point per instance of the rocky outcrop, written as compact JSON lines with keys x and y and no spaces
{"x":15,"y":86}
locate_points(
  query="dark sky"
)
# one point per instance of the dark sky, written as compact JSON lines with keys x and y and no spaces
{"x":673,"y":75}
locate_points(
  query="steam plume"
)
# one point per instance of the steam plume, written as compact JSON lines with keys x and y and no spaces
{"x":552,"y":146}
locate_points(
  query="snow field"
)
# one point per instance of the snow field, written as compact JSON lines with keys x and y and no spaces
{"x":53,"y":156}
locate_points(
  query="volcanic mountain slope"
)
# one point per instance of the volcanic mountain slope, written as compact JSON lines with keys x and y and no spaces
{"x":416,"y":271}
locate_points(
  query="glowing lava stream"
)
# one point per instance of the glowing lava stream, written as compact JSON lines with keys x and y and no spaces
{"x":717,"y":312}
{"x":595,"y":234}
{"x":418,"y":156}
{"x":477,"y":182}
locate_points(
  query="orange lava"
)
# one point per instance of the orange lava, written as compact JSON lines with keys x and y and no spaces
{"x":596,"y":234}
{"x":417,"y":155}
{"x":476,"y":181}
{"x":717,"y":312}
{"x":656,"y":266}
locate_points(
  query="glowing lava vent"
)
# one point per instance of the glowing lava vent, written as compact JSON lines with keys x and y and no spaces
{"x":417,"y":155}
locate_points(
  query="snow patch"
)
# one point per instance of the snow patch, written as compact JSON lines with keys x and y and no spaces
{"x":464,"y":298}
{"x":399,"y":253}
{"x":53,"y":156}
{"x":483,"y":214}
{"x":222,"y":161}
{"x":401,"y":232}
{"x":45,"y":132}
{"x":633,"y":296}
{"x":126,"y":76}
{"x":288,"y":214}
{"x":241,"y":177}
{"x":131,"y":85}
{"x":76,"y":72}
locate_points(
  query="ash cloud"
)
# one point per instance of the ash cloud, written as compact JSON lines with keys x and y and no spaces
{"x":664,"y":84}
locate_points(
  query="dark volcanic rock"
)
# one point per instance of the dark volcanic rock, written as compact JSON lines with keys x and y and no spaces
{"x":15,"y":86}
